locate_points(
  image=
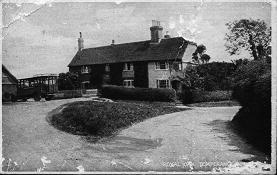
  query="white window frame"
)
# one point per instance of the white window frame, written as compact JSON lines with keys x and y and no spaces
{"x":128,"y":83}
{"x":128,"y":68}
{"x":84,"y":69}
{"x":167,"y":84}
{"x":158,"y":65}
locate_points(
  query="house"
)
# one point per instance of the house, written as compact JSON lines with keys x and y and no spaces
{"x":9,"y":85}
{"x":155,"y":63}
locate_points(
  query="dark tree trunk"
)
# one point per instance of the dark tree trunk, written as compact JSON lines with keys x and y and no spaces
{"x":261,"y":52}
{"x":253,"y":47}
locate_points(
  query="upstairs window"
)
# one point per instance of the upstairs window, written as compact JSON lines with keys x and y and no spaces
{"x":177,"y":66}
{"x":107,"y":68}
{"x":162,"y":83}
{"x":162,"y":65}
{"x":84,"y":69}
{"x":128,"y":67}
{"x":128,"y":83}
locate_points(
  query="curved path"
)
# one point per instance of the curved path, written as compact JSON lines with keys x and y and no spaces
{"x":192,"y":140}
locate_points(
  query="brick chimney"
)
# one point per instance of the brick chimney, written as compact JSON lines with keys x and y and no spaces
{"x":156,"y":31}
{"x":80,"y":42}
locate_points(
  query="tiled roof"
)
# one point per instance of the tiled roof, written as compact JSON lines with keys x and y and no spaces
{"x":167,"y":49}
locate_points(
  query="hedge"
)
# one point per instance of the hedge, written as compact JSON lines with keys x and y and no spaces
{"x":197,"y":96}
{"x":253,"y":91}
{"x":141,"y":94}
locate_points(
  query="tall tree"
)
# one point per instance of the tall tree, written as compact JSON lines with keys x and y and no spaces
{"x":248,"y":34}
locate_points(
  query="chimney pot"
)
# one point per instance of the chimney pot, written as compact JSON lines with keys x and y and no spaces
{"x":80,"y":42}
{"x":156,"y":31}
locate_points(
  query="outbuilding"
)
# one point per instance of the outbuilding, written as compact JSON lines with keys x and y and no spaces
{"x":9,"y":85}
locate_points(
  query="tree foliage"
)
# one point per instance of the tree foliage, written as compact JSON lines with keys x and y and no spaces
{"x":210,"y":77}
{"x":69,"y":81}
{"x":250,"y":35}
{"x":199,"y":56}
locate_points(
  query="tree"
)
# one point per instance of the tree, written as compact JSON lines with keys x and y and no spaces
{"x":199,"y":55}
{"x":68,"y":81}
{"x":205,"y":58}
{"x":251,"y":35}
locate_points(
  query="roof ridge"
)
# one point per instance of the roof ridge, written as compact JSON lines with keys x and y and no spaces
{"x":137,"y":42}
{"x":167,"y":48}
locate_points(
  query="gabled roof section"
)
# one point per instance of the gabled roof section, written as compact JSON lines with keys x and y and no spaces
{"x":5,"y":71}
{"x":167,"y":49}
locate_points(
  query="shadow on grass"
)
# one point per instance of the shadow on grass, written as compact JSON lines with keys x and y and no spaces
{"x":234,"y":137}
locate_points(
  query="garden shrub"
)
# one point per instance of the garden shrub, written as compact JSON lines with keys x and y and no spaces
{"x":141,"y":94}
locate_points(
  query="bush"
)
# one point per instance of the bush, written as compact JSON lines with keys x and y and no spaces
{"x":197,"y":96}
{"x":141,"y":94}
{"x":252,"y":89}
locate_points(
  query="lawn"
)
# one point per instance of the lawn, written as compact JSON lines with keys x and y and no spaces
{"x":106,"y":118}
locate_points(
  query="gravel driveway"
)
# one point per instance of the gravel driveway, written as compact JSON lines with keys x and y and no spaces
{"x":192,"y":140}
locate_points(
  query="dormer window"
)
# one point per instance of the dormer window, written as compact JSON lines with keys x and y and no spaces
{"x":128,"y":67}
{"x":84,"y":69}
{"x":162,"y":65}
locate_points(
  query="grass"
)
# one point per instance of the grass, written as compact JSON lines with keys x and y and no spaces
{"x":105,"y":118}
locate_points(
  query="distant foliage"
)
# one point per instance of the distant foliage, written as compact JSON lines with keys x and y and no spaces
{"x":209,"y":77}
{"x":69,"y":81}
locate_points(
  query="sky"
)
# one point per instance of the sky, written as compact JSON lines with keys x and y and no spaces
{"x":42,"y":37}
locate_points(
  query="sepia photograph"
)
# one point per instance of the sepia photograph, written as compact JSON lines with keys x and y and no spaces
{"x":138,"y":87}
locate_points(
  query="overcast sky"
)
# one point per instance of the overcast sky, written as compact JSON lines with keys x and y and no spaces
{"x":42,"y":38}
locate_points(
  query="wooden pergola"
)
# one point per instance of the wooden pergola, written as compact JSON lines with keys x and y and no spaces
{"x":48,"y":83}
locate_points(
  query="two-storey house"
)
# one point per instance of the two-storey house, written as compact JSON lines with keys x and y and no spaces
{"x":155,"y":63}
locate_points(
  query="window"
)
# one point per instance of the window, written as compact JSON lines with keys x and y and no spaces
{"x":107,"y":68}
{"x":128,"y":83}
{"x":162,"y":65}
{"x":180,"y":66}
{"x":177,"y":66}
{"x":84,"y":69}
{"x":162,"y":83}
{"x":128,"y":67}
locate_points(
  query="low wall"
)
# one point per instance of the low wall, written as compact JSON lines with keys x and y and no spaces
{"x":68,"y":94}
